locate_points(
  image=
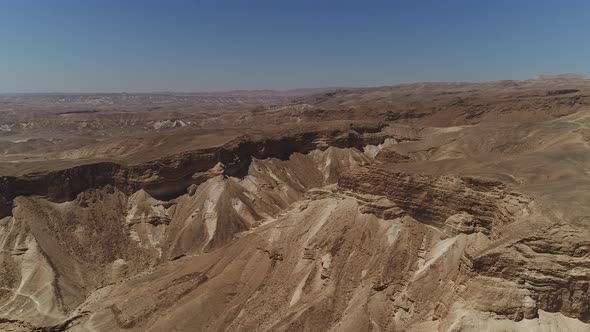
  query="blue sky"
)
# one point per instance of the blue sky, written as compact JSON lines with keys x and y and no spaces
{"x":173,"y":45}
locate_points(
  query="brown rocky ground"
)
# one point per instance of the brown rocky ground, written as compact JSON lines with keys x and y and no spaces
{"x":425,"y":207}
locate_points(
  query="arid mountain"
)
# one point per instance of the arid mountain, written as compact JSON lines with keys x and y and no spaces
{"x":420,"y":207}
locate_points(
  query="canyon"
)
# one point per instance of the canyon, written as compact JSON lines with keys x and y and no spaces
{"x":418,"y":207}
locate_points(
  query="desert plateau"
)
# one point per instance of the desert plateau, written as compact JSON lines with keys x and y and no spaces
{"x":415,"y":207}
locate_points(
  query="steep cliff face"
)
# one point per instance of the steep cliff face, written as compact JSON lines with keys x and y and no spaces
{"x":549,"y":263}
{"x":552,"y":264}
{"x":457,"y":204}
{"x":171,"y":176}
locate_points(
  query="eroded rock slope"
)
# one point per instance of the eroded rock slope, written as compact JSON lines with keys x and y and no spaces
{"x":387,"y":229}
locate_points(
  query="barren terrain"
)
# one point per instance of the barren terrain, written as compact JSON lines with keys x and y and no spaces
{"x":418,"y":207}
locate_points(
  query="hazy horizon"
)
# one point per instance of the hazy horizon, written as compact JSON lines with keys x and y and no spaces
{"x":67,"y":46}
{"x":270,"y":90}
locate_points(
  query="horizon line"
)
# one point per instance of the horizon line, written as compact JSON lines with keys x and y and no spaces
{"x":539,"y":76}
